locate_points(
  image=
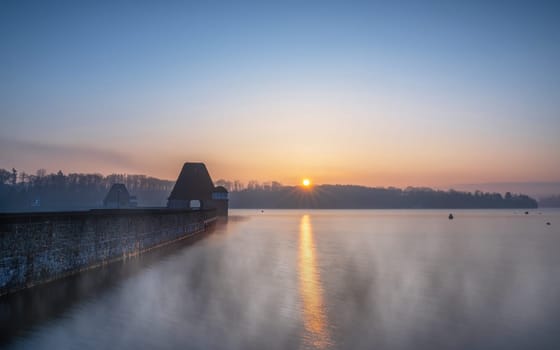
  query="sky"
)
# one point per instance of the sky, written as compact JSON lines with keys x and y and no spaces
{"x":406,"y":94}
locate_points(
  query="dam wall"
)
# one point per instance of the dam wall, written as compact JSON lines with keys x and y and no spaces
{"x":39,"y":247}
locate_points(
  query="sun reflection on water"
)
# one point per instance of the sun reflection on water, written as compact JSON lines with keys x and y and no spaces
{"x":314,"y":316}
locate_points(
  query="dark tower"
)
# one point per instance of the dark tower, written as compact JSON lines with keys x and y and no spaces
{"x":193,"y":188}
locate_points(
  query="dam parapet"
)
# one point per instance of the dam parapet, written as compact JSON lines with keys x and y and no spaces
{"x":39,"y":247}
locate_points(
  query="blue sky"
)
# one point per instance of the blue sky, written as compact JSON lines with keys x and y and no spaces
{"x":343,"y":92}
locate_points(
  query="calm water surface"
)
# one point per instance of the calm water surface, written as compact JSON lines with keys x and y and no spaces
{"x":319,"y":280}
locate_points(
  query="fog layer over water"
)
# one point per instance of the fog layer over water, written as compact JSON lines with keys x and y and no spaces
{"x":316,"y":279}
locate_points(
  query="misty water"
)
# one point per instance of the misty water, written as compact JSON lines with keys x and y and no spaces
{"x":382,"y":279}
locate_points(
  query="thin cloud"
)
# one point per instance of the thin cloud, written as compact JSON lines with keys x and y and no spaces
{"x":32,"y":155}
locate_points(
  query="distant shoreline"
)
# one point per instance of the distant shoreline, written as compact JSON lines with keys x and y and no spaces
{"x":61,"y":192}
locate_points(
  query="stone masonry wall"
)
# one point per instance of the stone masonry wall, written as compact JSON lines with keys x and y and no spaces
{"x":39,"y":247}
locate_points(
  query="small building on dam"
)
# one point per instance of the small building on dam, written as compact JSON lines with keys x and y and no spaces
{"x":194,"y":189}
{"x":37,"y":247}
{"x":118,"y":197}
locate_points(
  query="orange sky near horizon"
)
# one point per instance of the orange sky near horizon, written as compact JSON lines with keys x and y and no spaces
{"x":327,"y":154}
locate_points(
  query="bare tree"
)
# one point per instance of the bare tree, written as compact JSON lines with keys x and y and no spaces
{"x":14,"y":176}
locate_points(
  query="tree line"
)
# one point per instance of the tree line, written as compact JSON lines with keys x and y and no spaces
{"x":59,"y":191}
{"x":20,"y":191}
{"x":360,"y":197}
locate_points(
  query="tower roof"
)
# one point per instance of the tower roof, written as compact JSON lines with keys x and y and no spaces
{"x":194,"y":182}
{"x":117,"y":194}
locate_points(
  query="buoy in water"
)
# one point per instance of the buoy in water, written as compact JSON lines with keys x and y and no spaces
{"x":548,"y":223}
{"x":450,"y":217}
{"x":526,"y":213}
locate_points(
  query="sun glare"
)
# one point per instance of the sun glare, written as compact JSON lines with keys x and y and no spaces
{"x":306,"y":182}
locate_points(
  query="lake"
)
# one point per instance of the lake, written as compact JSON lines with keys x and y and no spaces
{"x":315,"y":279}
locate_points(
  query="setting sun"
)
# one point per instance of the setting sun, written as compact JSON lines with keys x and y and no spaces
{"x":306,"y":182}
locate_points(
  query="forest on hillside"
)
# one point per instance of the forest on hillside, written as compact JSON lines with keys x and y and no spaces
{"x":74,"y":191}
{"x":58,"y":191}
{"x":360,"y":197}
